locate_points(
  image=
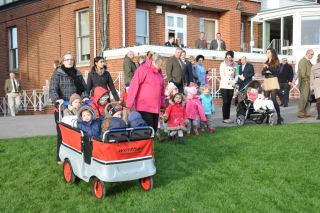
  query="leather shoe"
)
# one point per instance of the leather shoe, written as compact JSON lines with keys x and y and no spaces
{"x":308,"y":116}
{"x":300,"y":116}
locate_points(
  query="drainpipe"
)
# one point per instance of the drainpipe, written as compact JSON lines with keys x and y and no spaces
{"x":94,"y":30}
{"x":123,"y":23}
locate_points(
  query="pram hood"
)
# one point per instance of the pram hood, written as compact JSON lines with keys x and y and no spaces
{"x":90,"y":109}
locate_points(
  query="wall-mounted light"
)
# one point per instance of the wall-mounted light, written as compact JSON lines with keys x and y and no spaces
{"x":158,"y":9}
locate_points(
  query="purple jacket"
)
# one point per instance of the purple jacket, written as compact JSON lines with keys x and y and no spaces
{"x":146,"y":91}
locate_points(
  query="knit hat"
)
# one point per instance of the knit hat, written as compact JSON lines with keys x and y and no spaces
{"x":114,"y":110}
{"x":192,"y":90}
{"x":74,"y":97}
{"x":170,"y":87}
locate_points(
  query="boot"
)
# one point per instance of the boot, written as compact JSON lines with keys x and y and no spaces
{"x":196,"y":133}
{"x":181,"y":141}
{"x":160,"y":139}
{"x":280,"y":120}
{"x":318,"y":108}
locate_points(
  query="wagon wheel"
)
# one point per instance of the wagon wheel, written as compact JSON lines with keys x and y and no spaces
{"x":146,"y":183}
{"x":99,"y":189}
{"x":68,"y":174}
{"x":240,"y":120}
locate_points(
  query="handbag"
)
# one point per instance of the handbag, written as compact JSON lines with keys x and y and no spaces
{"x":271,"y":84}
{"x":311,"y":98}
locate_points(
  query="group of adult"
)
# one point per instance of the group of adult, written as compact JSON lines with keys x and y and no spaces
{"x":216,"y":44}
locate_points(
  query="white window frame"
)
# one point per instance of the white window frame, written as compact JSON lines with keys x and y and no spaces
{"x":78,"y":38}
{"x":146,"y":36}
{"x":12,"y":67}
{"x":175,"y":28}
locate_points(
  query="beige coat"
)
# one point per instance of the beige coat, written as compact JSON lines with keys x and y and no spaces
{"x":315,"y":80}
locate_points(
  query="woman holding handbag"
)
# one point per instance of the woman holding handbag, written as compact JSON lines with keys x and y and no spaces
{"x":270,"y":72}
{"x":315,"y":83}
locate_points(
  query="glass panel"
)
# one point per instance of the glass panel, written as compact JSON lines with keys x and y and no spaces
{"x":209,"y":29}
{"x":170,"y":21}
{"x":179,"y":22}
{"x":84,"y":23}
{"x":310,"y":30}
{"x":140,"y":40}
{"x":201,"y":24}
{"x":13,"y":59}
{"x":14,"y":38}
{"x":85,"y":45}
{"x":181,"y":36}
{"x":287,"y":31}
{"x":1,"y":2}
{"x":141,"y":23}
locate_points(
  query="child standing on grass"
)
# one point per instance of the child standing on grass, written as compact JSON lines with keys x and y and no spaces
{"x":194,"y":110}
{"x":176,"y":118}
{"x":208,"y":107}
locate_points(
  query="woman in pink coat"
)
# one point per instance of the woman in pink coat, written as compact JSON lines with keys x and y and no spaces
{"x":146,"y":92}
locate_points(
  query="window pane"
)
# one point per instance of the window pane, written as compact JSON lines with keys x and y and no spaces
{"x":140,"y":40}
{"x":181,"y":36}
{"x":84,"y":23}
{"x":209,"y":29}
{"x":13,"y":59}
{"x":85,"y":45}
{"x":201,"y":24}
{"x":170,"y":21}
{"x":310,"y":30}
{"x":14,"y":38}
{"x":180,"y":22}
{"x":141,"y":23}
{"x":287,"y":30}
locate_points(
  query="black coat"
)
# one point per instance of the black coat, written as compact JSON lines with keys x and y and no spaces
{"x":285,"y":74}
{"x":104,"y":80}
{"x":188,"y":75}
{"x":248,"y":73}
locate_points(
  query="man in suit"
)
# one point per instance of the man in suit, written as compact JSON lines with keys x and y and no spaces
{"x":174,"y":70}
{"x":187,"y":69}
{"x":246,"y":72}
{"x":218,"y":43}
{"x":201,"y":43}
{"x":304,"y":71}
{"x":12,"y":89}
{"x":285,"y":81}
{"x":170,"y":43}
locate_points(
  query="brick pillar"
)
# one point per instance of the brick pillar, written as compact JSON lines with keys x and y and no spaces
{"x":115,"y":23}
{"x":230,"y":29}
{"x":130,"y":22}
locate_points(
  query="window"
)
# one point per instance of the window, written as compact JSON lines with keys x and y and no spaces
{"x":176,"y":25}
{"x":13,"y":49}
{"x":83,"y":37}
{"x":209,"y":27}
{"x":3,"y":2}
{"x":142,"y":27}
{"x":310,"y":30}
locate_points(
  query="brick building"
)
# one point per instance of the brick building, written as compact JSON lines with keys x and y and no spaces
{"x":33,"y":33}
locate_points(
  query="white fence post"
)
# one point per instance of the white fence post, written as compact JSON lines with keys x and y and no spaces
{"x":34,"y":98}
{"x":25,"y":104}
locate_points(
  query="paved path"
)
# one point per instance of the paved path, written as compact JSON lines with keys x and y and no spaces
{"x":37,"y":125}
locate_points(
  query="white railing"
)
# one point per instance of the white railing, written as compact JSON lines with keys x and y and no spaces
{"x":31,"y":100}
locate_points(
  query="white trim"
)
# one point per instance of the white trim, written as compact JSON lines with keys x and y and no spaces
{"x":176,"y":15}
{"x":148,"y":36}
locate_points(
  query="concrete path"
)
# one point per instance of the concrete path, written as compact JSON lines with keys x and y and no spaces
{"x":38,"y":125}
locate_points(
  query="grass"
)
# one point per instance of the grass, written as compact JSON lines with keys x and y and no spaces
{"x":249,"y":169}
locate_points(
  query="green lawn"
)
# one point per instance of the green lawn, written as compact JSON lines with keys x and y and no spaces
{"x":254,"y":168}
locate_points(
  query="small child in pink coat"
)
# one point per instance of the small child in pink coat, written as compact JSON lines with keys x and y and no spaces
{"x":194,"y":110}
{"x":176,"y":118}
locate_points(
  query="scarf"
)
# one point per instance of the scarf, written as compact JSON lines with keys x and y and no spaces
{"x":230,"y":64}
{"x":72,"y":73}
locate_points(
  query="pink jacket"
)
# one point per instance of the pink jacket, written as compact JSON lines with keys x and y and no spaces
{"x":146,"y":91}
{"x":194,"y":109}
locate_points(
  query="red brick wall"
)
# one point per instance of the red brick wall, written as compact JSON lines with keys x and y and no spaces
{"x":46,"y":29}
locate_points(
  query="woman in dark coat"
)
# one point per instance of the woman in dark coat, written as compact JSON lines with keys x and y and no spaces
{"x":271,"y":86}
{"x":99,"y":76}
{"x":65,"y":81}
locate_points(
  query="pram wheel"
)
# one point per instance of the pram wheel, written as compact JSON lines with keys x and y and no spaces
{"x":240,"y":120}
{"x":98,"y":188}
{"x":146,"y":183}
{"x":260,"y":121}
{"x":271,"y":120}
{"x":68,"y":174}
